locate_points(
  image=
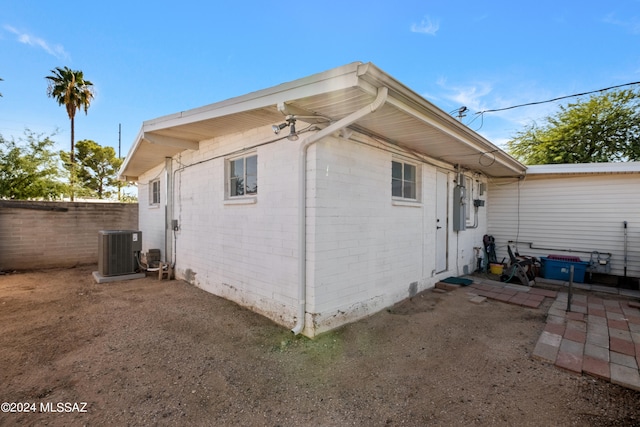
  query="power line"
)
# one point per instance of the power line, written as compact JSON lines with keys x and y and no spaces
{"x":556,"y":99}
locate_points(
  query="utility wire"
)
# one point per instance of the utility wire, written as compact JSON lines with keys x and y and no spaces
{"x":556,"y":99}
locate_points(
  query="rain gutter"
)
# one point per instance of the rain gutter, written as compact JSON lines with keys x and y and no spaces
{"x":381,"y":98}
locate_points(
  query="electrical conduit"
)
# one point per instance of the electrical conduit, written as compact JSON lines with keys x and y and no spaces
{"x":381,"y":98}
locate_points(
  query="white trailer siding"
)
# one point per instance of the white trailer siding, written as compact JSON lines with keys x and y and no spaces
{"x":569,"y":214}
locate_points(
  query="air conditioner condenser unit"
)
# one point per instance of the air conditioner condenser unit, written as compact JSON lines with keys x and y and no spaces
{"x":117,"y":252}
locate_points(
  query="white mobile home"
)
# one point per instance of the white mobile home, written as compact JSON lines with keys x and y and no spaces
{"x":581,"y":210}
{"x":318,"y":201}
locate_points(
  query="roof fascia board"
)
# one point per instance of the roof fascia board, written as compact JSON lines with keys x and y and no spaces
{"x":341,"y":78}
{"x":171,"y":142}
{"x":406,"y":100}
{"x":331,"y":80}
{"x":370,"y":73}
{"x":127,"y":178}
{"x":291,"y":110}
{"x":129,"y":156}
{"x":472,"y":143}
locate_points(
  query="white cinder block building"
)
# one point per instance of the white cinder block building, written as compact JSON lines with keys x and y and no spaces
{"x":366,"y":195}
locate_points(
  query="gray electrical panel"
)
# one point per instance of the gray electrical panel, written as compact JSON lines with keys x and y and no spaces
{"x":459,"y":208}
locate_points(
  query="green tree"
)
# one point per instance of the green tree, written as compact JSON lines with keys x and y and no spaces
{"x":69,"y":88}
{"x":604,"y":128}
{"x":29,"y":168}
{"x":96,"y":169}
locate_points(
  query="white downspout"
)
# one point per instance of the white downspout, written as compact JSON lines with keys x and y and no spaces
{"x":168,"y":209}
{"x":302,"y":197}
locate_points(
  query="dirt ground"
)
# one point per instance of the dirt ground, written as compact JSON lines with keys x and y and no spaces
{"x":146,"y":352}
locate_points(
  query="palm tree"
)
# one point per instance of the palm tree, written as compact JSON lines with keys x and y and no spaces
{"x":70,"y":89}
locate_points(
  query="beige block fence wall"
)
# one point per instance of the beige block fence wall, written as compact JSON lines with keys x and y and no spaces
{"x":36,"y":235}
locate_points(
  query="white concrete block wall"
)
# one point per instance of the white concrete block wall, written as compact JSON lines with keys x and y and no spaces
{"x":245,"y":251}
{"x":36,"y":234}
{"x":368,"y":252}
{"x":364,"y":252}
{"x":152,"y":218}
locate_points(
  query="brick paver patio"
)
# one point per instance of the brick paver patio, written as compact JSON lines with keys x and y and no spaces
{"x":597,"y":336}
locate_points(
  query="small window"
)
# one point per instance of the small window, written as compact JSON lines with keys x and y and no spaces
{"x":154,"y":192}
{"x":243,"y":176}
{"x":403,"y":180}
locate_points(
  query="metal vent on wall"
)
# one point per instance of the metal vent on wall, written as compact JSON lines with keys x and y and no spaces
{"x":117,"y":251}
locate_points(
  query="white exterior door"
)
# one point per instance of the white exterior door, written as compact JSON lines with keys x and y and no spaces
{"x":442,"y":216}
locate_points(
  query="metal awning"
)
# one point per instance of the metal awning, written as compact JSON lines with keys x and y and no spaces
{"x":406,"y":119}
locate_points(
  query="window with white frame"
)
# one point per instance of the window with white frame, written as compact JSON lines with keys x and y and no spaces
{"x":242,"y":179}
{"x":154,"y":192}
{"x":404,"y":180}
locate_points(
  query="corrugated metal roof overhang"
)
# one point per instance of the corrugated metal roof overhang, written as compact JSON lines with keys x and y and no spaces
{"x":406,"y":119}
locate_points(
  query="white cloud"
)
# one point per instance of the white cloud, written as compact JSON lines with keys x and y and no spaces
{"x":31,"y":40}
{"x":632,"y":24}
{"x":469,"y":96}
{"x":426,"y":26}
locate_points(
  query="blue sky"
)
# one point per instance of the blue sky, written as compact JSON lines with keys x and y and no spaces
{"x":149,"y":59}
